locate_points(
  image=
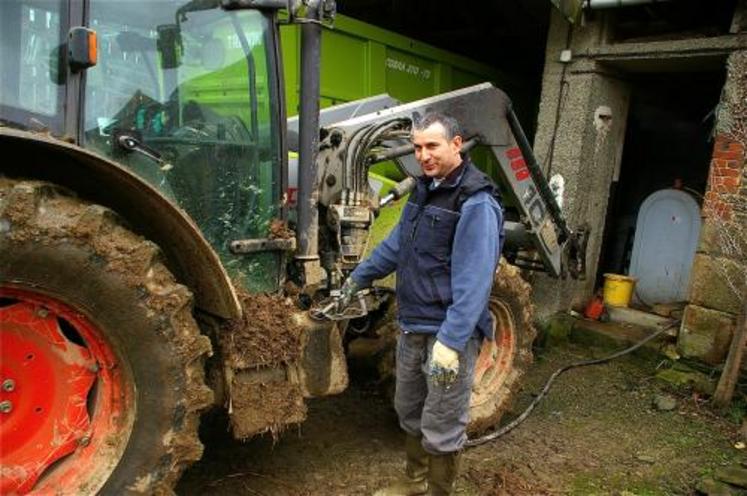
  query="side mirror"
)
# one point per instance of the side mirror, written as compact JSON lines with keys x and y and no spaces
{"x":82,"y":50}
{"x":169,"y":45}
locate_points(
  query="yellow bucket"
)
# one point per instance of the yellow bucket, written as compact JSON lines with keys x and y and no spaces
{"x":618,"y":290}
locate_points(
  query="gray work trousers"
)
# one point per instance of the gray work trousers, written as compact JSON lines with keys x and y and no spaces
{"x":440,"y":414}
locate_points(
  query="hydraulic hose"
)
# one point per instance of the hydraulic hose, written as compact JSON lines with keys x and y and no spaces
{"x":518,"y":420}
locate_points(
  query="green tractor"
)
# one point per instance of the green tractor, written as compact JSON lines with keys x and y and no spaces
{"x":147,"y":271}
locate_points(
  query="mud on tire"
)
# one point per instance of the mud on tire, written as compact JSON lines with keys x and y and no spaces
{"x":503,"y":362}
{"x":79,"y":255}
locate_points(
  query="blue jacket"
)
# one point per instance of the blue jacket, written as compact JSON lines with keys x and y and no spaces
{"x":445,"y":249}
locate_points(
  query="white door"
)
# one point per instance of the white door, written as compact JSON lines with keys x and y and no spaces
{"x":666,"y":238}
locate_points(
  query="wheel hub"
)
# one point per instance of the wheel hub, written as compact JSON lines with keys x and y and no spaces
{"x":49,"y":381}
{"x":495,"y":361}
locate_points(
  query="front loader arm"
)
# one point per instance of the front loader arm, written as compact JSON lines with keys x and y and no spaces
{"x":539,"y":238}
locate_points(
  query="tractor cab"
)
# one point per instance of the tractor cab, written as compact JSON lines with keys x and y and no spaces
{"x":184,"y":94}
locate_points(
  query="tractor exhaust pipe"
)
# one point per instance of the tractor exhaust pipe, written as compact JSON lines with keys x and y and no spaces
{"x":307,"y":228}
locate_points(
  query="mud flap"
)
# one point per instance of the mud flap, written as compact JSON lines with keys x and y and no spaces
{"x":271,"y":396}
{"x":322,"y":369}
{"x":264,"y":400}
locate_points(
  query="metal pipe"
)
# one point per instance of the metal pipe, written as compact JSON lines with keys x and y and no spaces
{"x":392,"y":153}
{"x":470,"y":144}
{"x":613,"y":4}
{"x":399,"y":190}
{"x":308,"y":193}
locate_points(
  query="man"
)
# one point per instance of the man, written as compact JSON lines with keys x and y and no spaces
{"x":445,"y":249}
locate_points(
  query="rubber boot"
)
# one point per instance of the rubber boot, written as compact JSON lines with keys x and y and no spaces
{"x":443,"y":473}
{"x":414,"y":482}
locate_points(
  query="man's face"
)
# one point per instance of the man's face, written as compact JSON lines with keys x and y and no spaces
{"x":437,"y":155}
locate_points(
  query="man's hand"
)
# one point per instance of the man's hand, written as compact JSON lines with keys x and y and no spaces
{"x":347,"y":291}
{"x":444,"y":365}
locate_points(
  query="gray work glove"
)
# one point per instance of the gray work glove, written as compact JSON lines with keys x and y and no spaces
{"x":444,"y":366}
{"x":347,"y":291}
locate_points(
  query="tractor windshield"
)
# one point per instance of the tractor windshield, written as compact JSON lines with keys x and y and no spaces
{"x":190,"y":89}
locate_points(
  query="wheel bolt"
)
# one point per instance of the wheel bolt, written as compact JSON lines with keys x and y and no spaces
{"x":42,"y":312}
{"x":5,"y":406}
{"x":84,"y":441}
{"x":9,"y":385}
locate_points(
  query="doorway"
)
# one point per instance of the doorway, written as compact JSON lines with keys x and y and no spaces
{"x":667,"y":146}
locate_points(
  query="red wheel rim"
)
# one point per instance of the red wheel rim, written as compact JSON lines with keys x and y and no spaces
{"x":65,"y":402}
{"x":495,"y":362}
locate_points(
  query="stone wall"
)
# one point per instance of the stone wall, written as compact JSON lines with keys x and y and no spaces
{"x":718,"y":285}
{"x":581,"y":129}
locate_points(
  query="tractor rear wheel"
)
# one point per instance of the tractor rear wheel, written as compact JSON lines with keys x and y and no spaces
{"x":502,"y":362}
{"x":102,"y":377}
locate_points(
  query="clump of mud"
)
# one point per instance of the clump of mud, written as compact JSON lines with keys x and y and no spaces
{"x":265,"y":335}
{"x":279,"y":230}
{"x":263,"y":404}
{"x":260,"y":349}
{"x":291,"y":290}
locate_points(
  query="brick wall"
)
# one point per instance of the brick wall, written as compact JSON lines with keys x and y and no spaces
{"x":711,"y":315}
{"x":725,"y":183}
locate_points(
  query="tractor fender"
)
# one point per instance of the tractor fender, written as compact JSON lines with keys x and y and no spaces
{"x":189,"y":256}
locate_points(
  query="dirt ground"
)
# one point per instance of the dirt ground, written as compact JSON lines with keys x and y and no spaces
{"x":597,"y":432}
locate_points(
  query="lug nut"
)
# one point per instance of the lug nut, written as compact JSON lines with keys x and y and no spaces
{"x":9,"y":385}
{"x":42,"y":312}
{"x":5,"y":406}
{"x":84,"y":441}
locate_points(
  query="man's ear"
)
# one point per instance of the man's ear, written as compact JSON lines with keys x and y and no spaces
{"x":456,"y":143}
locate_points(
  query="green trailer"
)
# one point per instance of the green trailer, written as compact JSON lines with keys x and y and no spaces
{"x":360,"y":60}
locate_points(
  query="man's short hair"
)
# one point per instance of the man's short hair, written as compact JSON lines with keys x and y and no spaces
{"x":450,"y":125}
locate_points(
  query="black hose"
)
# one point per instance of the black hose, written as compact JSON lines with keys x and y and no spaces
{"x":359,"y":146}
{"x":510,"y":426}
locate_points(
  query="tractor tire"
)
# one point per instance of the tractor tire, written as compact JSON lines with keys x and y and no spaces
{"x":102,"y":361}
{"x":502,"y":362}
